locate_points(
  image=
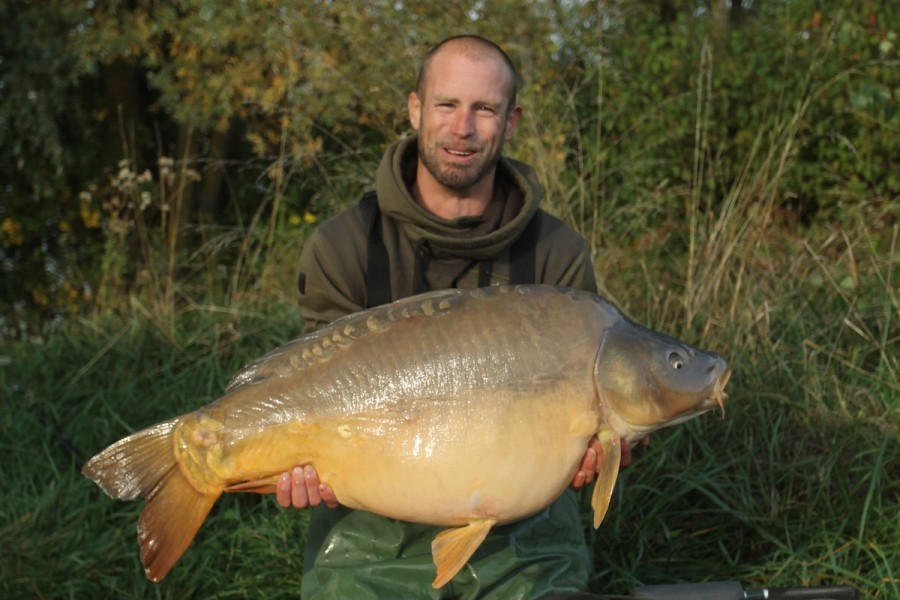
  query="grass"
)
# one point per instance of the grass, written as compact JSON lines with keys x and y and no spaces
{"x":798,"y":484}
{"x":86,"y":386}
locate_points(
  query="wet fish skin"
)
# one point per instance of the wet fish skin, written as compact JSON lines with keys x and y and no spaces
{"x":463,"y":397}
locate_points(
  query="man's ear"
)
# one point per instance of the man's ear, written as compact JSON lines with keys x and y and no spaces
{"x":512,"y":121}
{"x":414,"y":108}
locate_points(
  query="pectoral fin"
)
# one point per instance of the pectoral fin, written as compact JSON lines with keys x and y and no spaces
{"x":606,"y":476}
{"x":452,"y":548}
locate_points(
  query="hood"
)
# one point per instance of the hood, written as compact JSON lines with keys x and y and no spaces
{"x":517,"y":194}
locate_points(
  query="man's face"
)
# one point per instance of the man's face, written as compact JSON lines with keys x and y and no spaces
{"x":463,"y":118}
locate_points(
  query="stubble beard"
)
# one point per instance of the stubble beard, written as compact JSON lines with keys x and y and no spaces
{"x":456,"y":177}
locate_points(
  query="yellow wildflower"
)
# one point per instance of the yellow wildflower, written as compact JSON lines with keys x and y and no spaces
{"x":90,"y":217}
{"x":40,"y":297}
{"x":13,"y":231}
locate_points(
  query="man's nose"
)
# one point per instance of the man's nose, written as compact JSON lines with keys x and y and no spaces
{"x":464,"y":123}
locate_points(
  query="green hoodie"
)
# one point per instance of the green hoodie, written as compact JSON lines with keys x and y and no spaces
{"x":333,"y":262}
{"x":355,"y":554}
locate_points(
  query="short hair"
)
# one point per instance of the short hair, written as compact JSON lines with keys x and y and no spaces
{"x":473,"y":45}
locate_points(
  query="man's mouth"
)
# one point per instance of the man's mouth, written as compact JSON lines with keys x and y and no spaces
{"x":459,"y":152}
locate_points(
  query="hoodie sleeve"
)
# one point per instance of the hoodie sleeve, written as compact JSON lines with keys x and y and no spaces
{"x":563,"y":257}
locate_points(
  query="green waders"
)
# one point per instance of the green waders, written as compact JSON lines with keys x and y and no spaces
{"x":358,"y":555}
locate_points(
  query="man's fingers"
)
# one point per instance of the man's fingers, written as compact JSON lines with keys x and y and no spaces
{"x":627,"y":448}
{"x":311,"y":479}
{"x":328,"y":496}
{"x":578,"y":482}
{"x":626,"y":453}
{"x":283,"y":491}
{"x":590,"y":465}
{"x":301,"y":488}
{"x":299,"y":496}
{"x":587,"y":470}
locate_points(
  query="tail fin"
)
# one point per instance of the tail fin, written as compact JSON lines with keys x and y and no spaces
{"x":169,"y":522}
{"x":143,"y":465}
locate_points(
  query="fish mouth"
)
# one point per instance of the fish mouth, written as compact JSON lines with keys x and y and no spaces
{"x":719,"y":395}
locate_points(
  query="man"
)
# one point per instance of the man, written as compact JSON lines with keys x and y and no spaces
{"x":450,"y":211}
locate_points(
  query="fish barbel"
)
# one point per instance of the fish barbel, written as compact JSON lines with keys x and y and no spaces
{"x":479,"y":404}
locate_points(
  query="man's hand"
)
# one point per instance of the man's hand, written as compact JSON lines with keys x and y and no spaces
{"x":591,"y":460}
{"x":301,"y":488}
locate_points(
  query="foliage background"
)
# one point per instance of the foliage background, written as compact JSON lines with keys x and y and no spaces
{"x":734,"y":166}
{"x":244,"y":117}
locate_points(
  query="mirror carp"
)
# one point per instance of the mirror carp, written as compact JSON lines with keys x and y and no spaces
{"x":479,"y":404}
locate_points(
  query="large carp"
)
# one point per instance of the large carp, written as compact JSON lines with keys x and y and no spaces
{"x":479,"y":404}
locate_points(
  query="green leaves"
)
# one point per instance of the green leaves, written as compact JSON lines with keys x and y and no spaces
{"x":635,"y":113}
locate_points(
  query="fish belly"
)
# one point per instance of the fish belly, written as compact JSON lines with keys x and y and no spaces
{"x":453,"y":461}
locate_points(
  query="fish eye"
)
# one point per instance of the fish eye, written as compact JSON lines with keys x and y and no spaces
{"x":676,"y":360}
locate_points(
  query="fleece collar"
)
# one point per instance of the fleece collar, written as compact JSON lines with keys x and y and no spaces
{"x":517,"y":194}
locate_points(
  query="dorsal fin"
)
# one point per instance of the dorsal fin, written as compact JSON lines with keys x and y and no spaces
{"x":321,"y":345}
